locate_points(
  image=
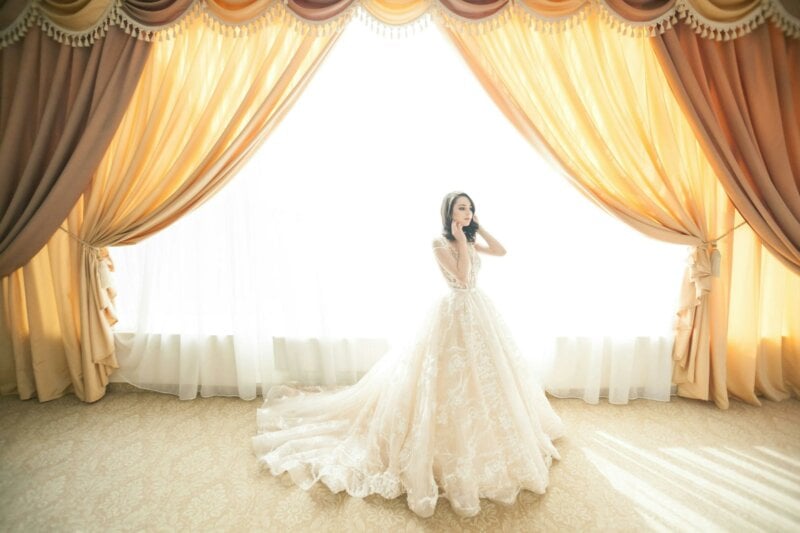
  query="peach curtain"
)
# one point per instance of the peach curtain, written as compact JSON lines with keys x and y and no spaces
{"x":205,"y":101}
{"x":597,"y":103}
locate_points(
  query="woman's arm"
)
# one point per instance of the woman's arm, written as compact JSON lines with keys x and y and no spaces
{"x":460,"y":268}
{"x":494,"y":248}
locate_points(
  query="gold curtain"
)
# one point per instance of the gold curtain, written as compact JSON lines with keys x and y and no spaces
{"x":596,"y":102}
{"x":206,"y":100}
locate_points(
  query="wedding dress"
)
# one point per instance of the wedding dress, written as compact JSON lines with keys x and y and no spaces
{"x":456,"y":414}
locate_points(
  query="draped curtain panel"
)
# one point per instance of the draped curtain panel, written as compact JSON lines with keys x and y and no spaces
{"x":59,"y":108}
{"x":742,"y":98}
{"x":205,"y":101}
{"x":608,"y":119}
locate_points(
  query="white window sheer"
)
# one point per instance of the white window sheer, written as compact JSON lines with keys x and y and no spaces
{"x":316,"y":258}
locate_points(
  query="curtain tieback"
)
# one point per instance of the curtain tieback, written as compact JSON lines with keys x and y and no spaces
{"x":704,"y":263}
{"x":715,"y":257}
{"x":86,"y":244}
{"x":102,"y":266}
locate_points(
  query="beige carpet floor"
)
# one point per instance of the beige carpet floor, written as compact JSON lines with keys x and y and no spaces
{"x":143,"y":461}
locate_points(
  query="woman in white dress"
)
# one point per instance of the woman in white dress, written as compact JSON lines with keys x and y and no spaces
{"x":456,"y":414}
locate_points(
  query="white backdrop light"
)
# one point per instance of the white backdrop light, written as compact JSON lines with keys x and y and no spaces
{"x":327,"y":230}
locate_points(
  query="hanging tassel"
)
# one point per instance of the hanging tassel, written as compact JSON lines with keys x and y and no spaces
{"x":716,"y":260}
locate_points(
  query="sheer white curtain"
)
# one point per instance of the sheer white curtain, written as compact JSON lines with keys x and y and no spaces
{"x":316,"y":258}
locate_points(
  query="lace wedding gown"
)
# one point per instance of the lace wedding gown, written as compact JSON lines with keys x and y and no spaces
{"x":455,"y":415}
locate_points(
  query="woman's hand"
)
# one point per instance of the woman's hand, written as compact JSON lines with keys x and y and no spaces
{"x":458,"y":232}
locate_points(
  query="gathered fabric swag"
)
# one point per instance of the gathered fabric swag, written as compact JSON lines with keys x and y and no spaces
{"x":82,"y":22}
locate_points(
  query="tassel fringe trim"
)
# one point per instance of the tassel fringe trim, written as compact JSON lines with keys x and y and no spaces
{"x":767,"y":11}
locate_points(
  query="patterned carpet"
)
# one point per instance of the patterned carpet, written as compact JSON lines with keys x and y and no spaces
{"x":143,"y":461}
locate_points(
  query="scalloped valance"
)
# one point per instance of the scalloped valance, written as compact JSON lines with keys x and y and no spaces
{"x":81,"y":22}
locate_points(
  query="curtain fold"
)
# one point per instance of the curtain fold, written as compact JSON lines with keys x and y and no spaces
{"x":205,"y":101}
{"x":763,"y":348}
{"x":598,"y":104}
{"x":59,"y":107}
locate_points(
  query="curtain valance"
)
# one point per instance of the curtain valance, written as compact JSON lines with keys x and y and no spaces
{"x":81,"y":22}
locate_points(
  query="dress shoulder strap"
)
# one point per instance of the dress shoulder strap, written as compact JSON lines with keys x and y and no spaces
{"x":439,"y":242}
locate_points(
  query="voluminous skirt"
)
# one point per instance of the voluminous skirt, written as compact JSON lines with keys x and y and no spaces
{"x":457,"y":414}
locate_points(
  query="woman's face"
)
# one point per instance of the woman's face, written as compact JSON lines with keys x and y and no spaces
{"x":462,"y":211}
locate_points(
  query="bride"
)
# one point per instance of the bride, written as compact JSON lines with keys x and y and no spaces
{"x":456,"y":414}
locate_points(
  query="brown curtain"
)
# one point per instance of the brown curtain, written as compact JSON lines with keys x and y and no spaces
{"x":59,"y":108}
{"x":743,"y":100}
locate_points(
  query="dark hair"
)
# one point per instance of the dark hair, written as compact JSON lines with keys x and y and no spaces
{"x":447,"y":216}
